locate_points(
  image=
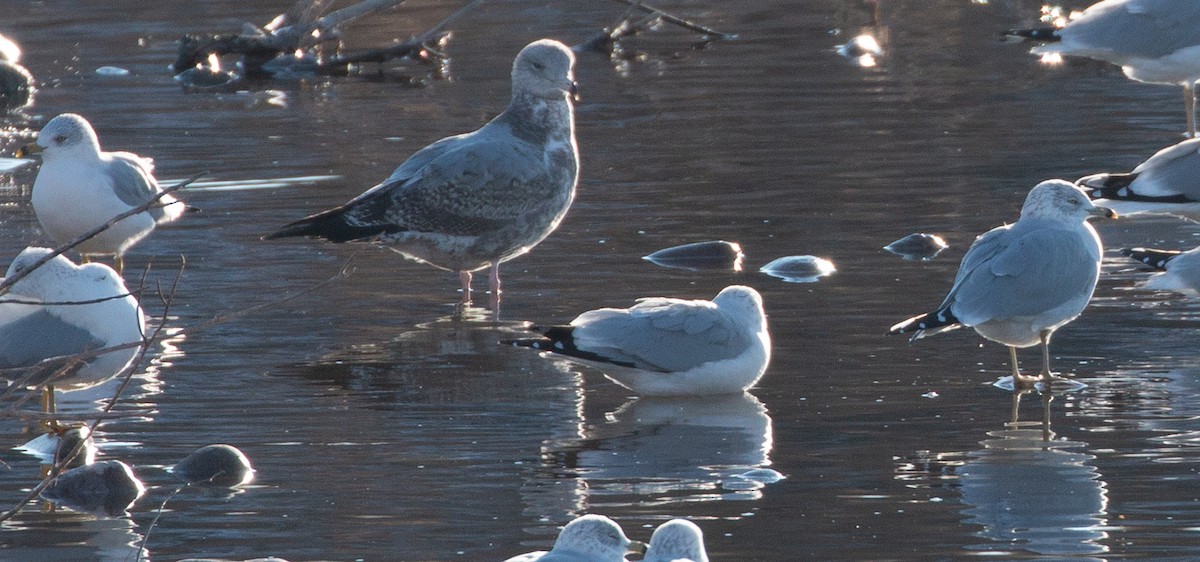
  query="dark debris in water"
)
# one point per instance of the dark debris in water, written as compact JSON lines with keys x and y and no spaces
{"x":712,"y":255}
{"x":919,"y":246}
{"x":219,"y":465}
{"x":799,"y":269}
{"x":104,"y":488}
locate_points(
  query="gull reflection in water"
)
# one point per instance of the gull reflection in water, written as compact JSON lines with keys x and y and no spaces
{"x":1031,"y":491}
{"x":667,"y":450}
{"x":71,"y":536}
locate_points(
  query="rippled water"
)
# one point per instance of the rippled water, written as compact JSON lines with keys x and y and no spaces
{"x":385,"y":427}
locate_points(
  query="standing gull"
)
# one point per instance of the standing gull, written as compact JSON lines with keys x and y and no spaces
{"x":588,"y":538}
{"x":80,"y":187}
{"x":1178,"y":271}
{"x":63,"y":309}
{"x":1019,"y":283}
{"x":1166,"y":183}
{"x":670,"y":347}
{"x":677,"y":540}
{"x":476,"y":200}
{"x":1154,"y":41}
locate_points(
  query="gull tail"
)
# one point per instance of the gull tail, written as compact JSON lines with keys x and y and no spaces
{"x":927,"y":324}
{"x":1116,"y":187}
{"x":561,"y":340}
{"x":1157,"y":259}
{"x":1041,"y":34}
{"x":332,"y":225}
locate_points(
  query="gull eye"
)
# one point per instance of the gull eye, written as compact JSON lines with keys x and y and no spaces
{"x":60,"y":139}
{"x":538,"y":66}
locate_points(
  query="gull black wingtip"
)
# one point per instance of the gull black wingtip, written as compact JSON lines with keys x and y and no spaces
{"x":1042,"y":34}
{"x":1157,"y":259}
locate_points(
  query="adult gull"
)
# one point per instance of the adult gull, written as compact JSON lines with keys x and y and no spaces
{"x":669,"y":347}
{"x":62,"y":309}
{"x":80,"y":187}
{"x":677,"y":540}
{"x":1166,"y":183}
{"x":1019,"y":283}
{"x":479,"y":199}
{"x":1154,"y":41}
{"x":588,"y":538}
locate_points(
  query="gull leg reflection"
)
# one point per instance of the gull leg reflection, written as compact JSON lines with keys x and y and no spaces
{"x":1034,"y":494}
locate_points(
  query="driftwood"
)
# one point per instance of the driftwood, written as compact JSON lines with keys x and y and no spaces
{"x":607,"y":40}
{"x":302,"y":30}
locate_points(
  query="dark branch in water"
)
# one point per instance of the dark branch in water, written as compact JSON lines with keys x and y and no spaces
{"x":671,"y":18}
{"x":606,"y":40}
{"x":300,"y":31}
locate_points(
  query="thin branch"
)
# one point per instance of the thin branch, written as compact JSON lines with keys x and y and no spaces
{"x":68,"y":303}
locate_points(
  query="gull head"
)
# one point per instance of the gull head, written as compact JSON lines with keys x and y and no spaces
{"x":544,"y":69}
{"x":677,"y":539}
{"x":41,"y":283}
{"x":1058,"y":199}
{"x":741,"y":300}
{"x":597,"y":538}
{"x":66,"y":134}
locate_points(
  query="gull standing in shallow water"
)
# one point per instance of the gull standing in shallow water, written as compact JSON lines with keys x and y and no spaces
{"x":1019,"y":283}
{"x":63,"y":309}
{"x":677,"y":540}
{"x":476,"y":200}
{"x":80,"y":187}
{"x":1154,"y":41}
{"x":670,"y":347}
{"x":1166,"y":183}
{"x":588,"y":538}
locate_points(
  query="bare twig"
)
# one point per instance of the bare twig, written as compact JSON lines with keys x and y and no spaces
{"x":67,"y":303}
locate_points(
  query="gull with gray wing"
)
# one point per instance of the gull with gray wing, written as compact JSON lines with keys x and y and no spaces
{"x":1166,"y":183}
{"x":479,"y":199}
{"x":62,"y":309}
{"x":80,"y":187}
{"x":1019,"y":283}
{"x":1154,"y":41}
{"x":669,"y":347}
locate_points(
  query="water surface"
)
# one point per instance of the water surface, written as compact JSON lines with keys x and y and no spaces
{"x":384,"y":426}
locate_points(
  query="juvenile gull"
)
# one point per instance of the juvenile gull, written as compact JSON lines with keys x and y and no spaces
{"x":1166,"y":183}
{"x":670,"y":347}
{"x":1179,"y":271}
{"x":45,"y":323}
{"x":476,"y":200}
{"x":1154,"y":41}
{"x":1019,"y":283}
{"x":80,"y":187}
{"x":677,"y":540}
{"x":588,"y":538}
